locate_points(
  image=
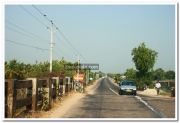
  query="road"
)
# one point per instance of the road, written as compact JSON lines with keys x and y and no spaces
{"x":106,"y":103}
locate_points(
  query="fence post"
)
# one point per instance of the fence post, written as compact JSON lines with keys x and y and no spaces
{"x":64,"y":85}
{"x":34,"y":93}
{"x":57,"y":86}
{"x":72,"y":83}
{"x":11,"y":98}
{"x":61,"y":86}
{"x":48,"y":90}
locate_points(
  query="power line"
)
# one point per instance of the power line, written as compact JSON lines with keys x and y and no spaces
{"x":26,"y":45}
{"x":44,"y":15}
{"x":24,"y":30}
{"x":64,"y":42}
{"x":61,"y":33}
{"x":21,"y":33}
{"x":69,"y":43}
{"x":33,"y":16}
{"x":17,"y":31}
{"x":49,"y":20}
{"x":65,"y":54}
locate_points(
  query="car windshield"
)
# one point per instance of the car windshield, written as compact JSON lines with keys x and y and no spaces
{"x":128,"y":83}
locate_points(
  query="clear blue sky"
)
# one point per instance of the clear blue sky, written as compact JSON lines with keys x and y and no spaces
{"x":104,"y":34}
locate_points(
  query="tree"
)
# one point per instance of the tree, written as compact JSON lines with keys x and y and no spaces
{"x":159,"y":74}
{"x":144,"y":59}
{"x":14,"y":69}
{"x":170,"y":74}
{"x":10,"y":69}
{"x":19,"y":70}
{"x":130,"y":74}
{"x":117,"y":77}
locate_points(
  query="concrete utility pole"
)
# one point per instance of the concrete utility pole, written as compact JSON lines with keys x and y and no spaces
{"x":78,"y":69}
{"x":87,"y":76}
{"x":51,"y":45}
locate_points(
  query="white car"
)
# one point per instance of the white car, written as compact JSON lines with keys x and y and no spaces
{"x":127,"y":87}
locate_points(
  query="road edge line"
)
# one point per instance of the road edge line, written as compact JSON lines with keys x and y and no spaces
{"x":113,"y":91}
{"x":150,"y":107}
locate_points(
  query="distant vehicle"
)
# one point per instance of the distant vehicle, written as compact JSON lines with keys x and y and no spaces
{"x":127,"y":87}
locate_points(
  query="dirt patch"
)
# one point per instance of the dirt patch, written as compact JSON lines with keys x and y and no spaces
{"x":60,"y":108}
{"x":153,"y":93}
{"x":91,"y":89}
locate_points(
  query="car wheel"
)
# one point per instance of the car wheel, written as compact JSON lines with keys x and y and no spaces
{"x":121,"y":92}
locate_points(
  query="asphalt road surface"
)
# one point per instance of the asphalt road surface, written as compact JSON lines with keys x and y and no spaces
{"x":105,"y":102}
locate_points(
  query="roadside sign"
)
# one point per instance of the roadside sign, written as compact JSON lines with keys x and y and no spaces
{"x":80,"y":77}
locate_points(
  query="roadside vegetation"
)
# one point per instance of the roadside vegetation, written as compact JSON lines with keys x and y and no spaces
{"x":15,"y":69}
{"x":144,"y":59}
{"x":18,"y":70}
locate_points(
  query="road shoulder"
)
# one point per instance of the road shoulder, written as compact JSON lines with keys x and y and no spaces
{"x":161,"y":103}
{"x":60,"y":108}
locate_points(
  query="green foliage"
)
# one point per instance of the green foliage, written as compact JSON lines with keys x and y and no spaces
{"x":57,"y":65}
{"x":162,"y":75}
{"x":165,"y":87}
{"x":159,"y":74}
{"x":101,"y":74}
{"x":147,"y":79}
{"x":110,"y":75}
{"x":45,"y":103}
{"x":39,"y":70}
{"x":92,"y":75}
{"x":14,"y":69}
{"x":117,"y":77}
{"x":170,"y":74}
{"x":130,"y":74}
{"x":144,"y":58}
{"x":19,"y":70}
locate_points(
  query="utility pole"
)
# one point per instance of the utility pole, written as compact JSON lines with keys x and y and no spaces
{"x":78,"y":69}
{"x":51,"y":45}
{"x":87,"y":76}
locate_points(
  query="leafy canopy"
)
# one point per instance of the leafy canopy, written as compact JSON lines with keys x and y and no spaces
{"x":144,"y":58}
{"x":130,"y":74}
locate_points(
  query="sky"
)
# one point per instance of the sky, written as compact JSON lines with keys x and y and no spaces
{"x":103,"y":34}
